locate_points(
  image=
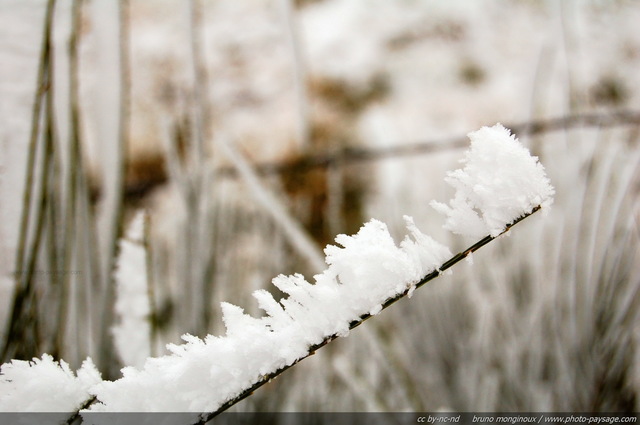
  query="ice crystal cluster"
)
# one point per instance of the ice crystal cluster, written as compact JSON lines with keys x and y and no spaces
{"x":363,"y":272}
{"x":45,"y":385}
{"x":500,"y":182}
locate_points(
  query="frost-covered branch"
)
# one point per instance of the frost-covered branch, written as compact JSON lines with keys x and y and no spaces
{"x":429,"y":277}
{"x":499,"y":185}
{"x":500,"y":179}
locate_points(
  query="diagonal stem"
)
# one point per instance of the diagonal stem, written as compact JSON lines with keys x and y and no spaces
{"x":206,"y":417}
{"x":352,"y":154}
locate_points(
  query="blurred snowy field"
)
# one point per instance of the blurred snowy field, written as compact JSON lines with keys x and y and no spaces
{"x":545,"y":319}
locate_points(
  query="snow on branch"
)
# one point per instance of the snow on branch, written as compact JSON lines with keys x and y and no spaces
{"x":45,"y":385}
{"x":500,"y":184}
{"x":201,"y":375}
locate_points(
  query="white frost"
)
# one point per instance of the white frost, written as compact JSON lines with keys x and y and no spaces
{"x":201,"y":375}
{"x":499,"y":183}
{"x":133,"y":330}
{"x":44,"y":385}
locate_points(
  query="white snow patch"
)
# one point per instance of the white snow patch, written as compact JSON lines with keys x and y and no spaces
{"x":45,"y":385}
{"x":132,"y":333}
{"x":499,"y":183}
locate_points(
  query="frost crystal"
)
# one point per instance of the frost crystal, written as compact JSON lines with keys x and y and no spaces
{"x":199,"y":376}
{"x":44,"y":385}
{"x":499,"y":183}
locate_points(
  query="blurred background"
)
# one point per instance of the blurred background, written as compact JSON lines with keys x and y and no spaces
{"x":249,"y":133}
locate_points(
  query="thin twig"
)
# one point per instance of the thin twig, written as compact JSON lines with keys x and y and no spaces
{"x":42,"y":87}
{"x":299,"y":77}
{"x":197,"y":188}
{"x":296,"y":234}
{"x":445,"y":266}
{"x":108,"y":358}
{"x":201,"y":111}
{"x":24,"y":314}
{"x":357,"y":154}
{"x":91,"y":274}
{"x":73,"y":170}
